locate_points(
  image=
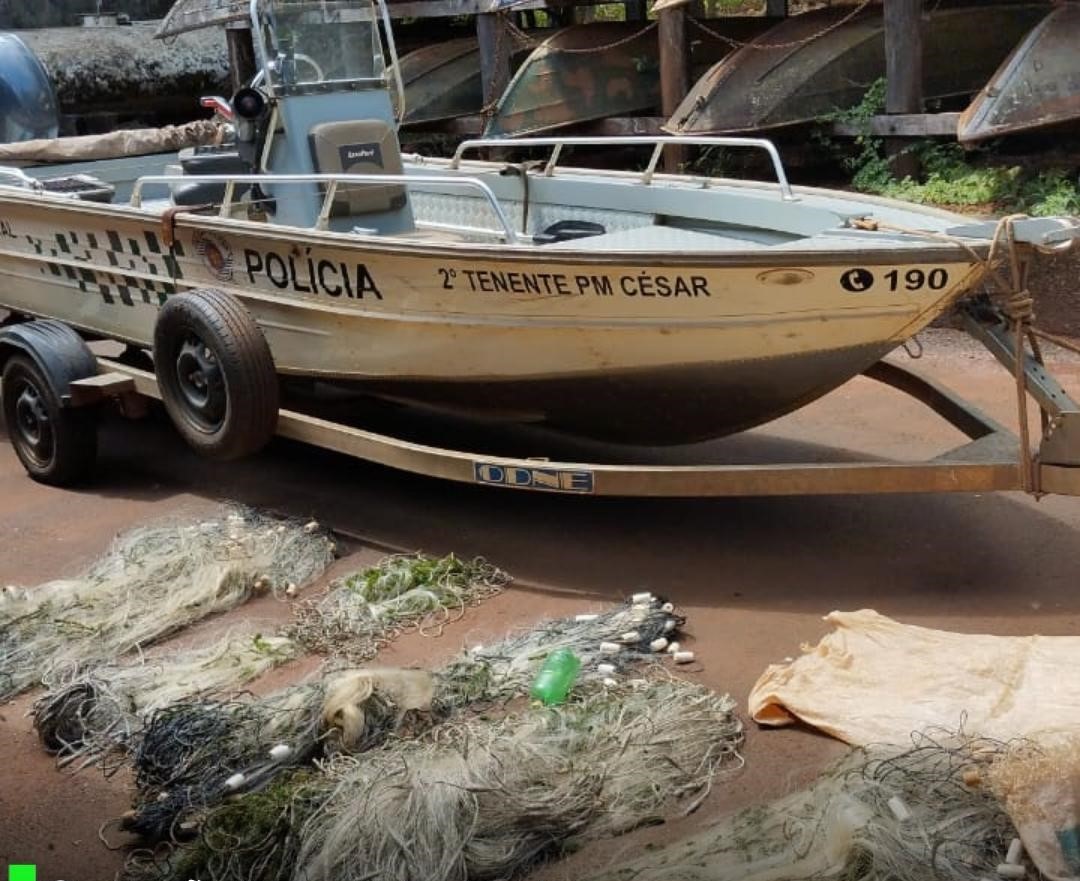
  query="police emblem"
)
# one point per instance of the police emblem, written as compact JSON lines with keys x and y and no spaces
{"x":215,"y":253}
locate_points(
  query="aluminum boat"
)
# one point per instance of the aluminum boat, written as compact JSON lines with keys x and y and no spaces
{"x":632,"y":306}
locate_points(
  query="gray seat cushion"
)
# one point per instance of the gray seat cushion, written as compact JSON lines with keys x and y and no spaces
{"x":366,"y":146}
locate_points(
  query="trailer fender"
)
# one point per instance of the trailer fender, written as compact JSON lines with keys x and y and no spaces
{"x":58,"y":351}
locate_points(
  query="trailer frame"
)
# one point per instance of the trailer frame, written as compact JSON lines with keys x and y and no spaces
{"x":990,"y":461}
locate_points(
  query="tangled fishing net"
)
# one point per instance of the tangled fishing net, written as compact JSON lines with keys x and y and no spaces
{"x":368,"y":609}
{"x":190,"y":749}
{"x":194,"y":754}
{"x":1039,"y":785}
{"x":475,"y":798}
{"x":483,"y":800}
{"x":884,"y":813}
{"x":154,"y":581}
{"x":609,"y":643}
{"x":93,"y":713}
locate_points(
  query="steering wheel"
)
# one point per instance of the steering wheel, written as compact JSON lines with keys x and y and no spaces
{"x":320,"y":75}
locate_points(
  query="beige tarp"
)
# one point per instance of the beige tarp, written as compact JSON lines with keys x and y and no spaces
{"x":115,"y":145}
{"x":875,"y":680}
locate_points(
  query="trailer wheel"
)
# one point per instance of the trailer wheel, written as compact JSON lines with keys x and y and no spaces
{"x":56,"y":445}
{"x":216,"y":374}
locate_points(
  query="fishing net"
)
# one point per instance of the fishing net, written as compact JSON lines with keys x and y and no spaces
{"x":194,"y":754}
{"x":190,"y":749}
{"x":96,"y":713}
{"x":1039,"y":785}
{"x":476,"y":797}
{"x":366,"y":610}
{"x":609,"y":644}
{"x":884,"y":813}
{"x":154,"y":581}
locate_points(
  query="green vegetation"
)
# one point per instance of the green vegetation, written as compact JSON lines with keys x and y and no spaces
{"x":951,"y":176}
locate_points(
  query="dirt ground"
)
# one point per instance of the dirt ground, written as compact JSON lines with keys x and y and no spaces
{"x":753,"y":575}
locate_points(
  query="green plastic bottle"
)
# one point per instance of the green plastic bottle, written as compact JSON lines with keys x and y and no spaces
{"x":553,"y":682}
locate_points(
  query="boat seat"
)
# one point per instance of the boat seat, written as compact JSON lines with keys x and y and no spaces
{"x":204,"y":161}
{"x":365,"y":146}
{"x":84,"y":187}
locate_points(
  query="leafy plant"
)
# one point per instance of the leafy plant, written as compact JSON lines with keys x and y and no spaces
{"x":951,"y":176}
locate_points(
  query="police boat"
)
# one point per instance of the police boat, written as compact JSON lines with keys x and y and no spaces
{"x":633,"y":306}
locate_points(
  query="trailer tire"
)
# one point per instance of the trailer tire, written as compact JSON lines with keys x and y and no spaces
{"x":57,"y":445}
{"x":216,"y":374}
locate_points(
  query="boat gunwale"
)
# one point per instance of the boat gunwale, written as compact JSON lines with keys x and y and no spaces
{"x":895,"y":252}
{"x":930,"y":249}
{"x":679,"y":181}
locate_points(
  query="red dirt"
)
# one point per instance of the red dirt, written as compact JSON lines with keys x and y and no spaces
{"x":754,"y":575}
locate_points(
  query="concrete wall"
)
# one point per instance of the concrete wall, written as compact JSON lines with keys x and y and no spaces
{"x":57,"y":13}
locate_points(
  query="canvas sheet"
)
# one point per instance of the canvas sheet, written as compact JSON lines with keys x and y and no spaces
{"x":113,"y":145}
{"x":875,"y":680}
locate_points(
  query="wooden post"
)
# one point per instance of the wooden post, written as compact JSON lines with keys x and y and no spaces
{"x":242,"y":64}
{"x":776,"y":8}
{"x":674,"y":72}
{"x":903,"y":72}
{"x":494,"y":55}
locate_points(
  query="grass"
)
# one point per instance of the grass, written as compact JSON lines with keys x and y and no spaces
{"x":951,"y":177}
{"x":952,"y":180}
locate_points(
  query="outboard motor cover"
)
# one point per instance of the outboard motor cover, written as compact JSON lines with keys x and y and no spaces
{"x":27,"y":102}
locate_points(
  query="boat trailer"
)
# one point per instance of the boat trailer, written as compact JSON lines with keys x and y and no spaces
{"x":991,"y":460}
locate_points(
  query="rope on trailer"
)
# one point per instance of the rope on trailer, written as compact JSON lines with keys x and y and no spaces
{"x":1016,"y":303}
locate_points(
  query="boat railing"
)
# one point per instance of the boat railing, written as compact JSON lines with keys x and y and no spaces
{"x":332,"y":182}
{"x":20,"y":177}
{"x":658,"y":142}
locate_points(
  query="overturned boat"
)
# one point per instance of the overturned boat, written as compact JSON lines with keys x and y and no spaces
{"x":816,"y":63}
{"x":1037,"y":86}
{"x":634,"y":306}
{"x":593,"y":71}
{"x":442,"y":81}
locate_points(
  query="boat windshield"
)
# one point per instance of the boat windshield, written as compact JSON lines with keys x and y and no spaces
{"x":321,"y":45}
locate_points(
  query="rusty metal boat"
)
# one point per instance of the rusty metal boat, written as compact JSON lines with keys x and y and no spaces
{"x":1037,"y":86}
{"x":442,"y":81}
{"x":800,"y":70}
{"x":594,"y":71}
{"x":633,"y":306}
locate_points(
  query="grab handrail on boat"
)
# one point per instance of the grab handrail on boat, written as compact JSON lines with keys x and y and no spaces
{"x":332,"y":181}
{"x":659,"y":142}
{"x":21,"y":176}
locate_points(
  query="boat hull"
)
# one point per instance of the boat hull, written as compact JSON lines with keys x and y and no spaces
{"x":657,"y":406}
{"x":638,"y":347}
{"x":797,"y":78}
{"x":1037,"y":86}
{"x":443,"y":81}
{"x":554,"y":88}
